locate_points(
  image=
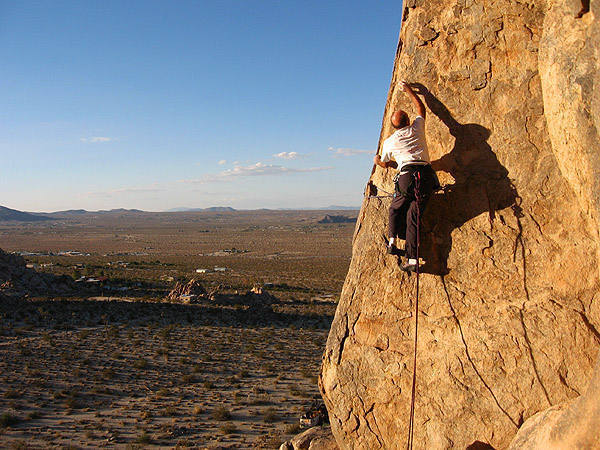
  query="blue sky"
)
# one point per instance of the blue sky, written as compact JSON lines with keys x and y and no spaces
{"x":159,"y":104}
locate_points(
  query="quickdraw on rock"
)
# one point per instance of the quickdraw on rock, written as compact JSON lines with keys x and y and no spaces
{"x":373,"y":191}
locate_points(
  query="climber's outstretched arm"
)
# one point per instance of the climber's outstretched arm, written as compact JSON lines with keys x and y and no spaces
{"x":416,"y":100}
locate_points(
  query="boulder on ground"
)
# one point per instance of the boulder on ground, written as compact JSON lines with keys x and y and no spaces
{"x":215,"y":293}
{"x":573,"y":424}
{"x":260,"y":295}
{"x":315,"y":438}
{"x":336,"y":219}
{"x":186,"y":291}
{"x":17,"y":279}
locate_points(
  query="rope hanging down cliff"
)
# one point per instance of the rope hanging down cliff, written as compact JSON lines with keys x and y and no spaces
{"x":411,"y":423}
{"x":417,"y":194}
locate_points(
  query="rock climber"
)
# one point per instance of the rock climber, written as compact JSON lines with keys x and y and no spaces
{"x":406,"y":150}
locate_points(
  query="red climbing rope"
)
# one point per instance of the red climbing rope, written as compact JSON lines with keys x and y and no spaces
{"x":411,"y":424}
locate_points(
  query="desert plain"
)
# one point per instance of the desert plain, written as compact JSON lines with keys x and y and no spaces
{"x":116,"y":364}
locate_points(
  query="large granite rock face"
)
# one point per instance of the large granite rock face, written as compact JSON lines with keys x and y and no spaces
{"x":509,"y":307}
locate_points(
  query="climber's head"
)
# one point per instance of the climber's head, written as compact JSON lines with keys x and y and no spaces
{"x":400,"y":119}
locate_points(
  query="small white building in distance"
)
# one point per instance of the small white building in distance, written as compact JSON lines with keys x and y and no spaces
{"x":202,"y":270}
{"x":220,"y":269}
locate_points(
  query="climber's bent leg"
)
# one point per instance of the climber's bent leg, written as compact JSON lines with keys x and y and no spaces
{"x":397,"y":220}
{"x":427,"y":184}
{"x":411,"y":226}
{"x":399,"y":207}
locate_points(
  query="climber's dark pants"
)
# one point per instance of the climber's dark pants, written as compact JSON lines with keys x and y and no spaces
{"x":403,"y":210}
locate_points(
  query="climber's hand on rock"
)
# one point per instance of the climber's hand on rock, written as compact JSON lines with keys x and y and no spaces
{"x":378,"y":162}
{"x":406,"y":86}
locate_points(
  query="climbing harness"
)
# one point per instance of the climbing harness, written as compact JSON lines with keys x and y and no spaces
{"x":411,"y":423}
{"x":439,"y":188}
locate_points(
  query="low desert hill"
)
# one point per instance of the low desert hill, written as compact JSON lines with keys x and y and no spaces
{"x":7,"y":214}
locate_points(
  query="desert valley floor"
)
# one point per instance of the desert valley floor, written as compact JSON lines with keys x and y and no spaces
{"x":115,"y":364}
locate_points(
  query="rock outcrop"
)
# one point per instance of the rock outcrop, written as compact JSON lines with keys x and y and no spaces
{"x":336,"y":219}
{"x":315,"y":438}
{"x":509,"y":307}
{"x":574,"y":424}
{"x":18,"y":280}
{"x":260,"y":295}
{"x":187,"y":292}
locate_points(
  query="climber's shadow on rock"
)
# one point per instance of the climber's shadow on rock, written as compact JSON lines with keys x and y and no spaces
{"x":478,"y":445}
{"x":481,"y":185}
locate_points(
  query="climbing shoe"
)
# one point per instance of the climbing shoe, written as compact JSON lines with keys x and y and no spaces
{"x":409,"y":266}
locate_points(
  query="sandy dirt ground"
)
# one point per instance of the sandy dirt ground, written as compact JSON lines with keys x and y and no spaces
{"x":96,"y":373}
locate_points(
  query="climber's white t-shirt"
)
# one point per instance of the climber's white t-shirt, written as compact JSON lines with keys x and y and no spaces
{"x":407,"y":145}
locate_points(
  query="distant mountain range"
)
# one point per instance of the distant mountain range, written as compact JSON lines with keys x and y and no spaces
{"x":7,"y":214}
{"x":211,"y":209}
{"x":70,"y":212}
{"x":78,"y":212}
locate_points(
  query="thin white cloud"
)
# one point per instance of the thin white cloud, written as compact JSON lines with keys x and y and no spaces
{"x":223,"y":161}
{"x":260,"y":169}
{"x":349,"y":151}
{"x":123,"y":191}
{"x":253,"y":170}
{"x":96,"y":139}
{"x":288,"y":155}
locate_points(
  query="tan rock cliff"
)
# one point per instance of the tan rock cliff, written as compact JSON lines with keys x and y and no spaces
{"x":510,"y":309}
